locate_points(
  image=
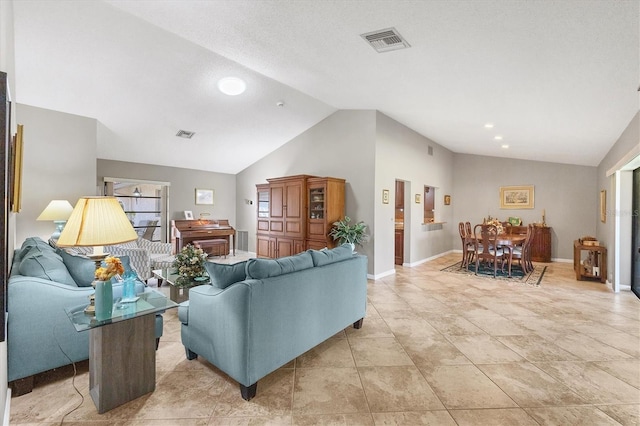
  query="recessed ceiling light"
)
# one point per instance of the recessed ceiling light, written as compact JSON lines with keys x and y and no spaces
{"x":504,"y":146}
{"x":488,"y":126}
{"x":232,"y":86}
{"x":498,"y":137}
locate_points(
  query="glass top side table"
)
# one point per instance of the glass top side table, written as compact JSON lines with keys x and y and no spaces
{"x":122,"y":349}
{"x":148,"y":303}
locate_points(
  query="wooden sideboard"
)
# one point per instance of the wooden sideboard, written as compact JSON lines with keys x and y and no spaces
{"x":541,"y":244}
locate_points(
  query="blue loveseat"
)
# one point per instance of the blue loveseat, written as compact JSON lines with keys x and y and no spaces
{"x":44,"y":281}
{"x":260,"y":314}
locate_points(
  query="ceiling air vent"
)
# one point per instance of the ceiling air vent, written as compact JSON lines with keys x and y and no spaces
{"x":385,"y":40}
{"x":185,"y":134}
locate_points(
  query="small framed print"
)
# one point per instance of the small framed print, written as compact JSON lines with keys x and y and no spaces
{"x":385,"y":196}
{"x":603,"y":206}
{"x":447,"y":200}
{"x":188,"y":214}
{"x":417,"y":199}
{"x":204,"y":196}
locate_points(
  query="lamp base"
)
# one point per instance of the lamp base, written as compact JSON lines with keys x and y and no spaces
{"x":97,"y":259}
{"x":59,"y":227}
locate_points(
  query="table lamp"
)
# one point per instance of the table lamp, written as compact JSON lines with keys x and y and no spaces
{"x":58,"y":211}
{"x":97,"y":222}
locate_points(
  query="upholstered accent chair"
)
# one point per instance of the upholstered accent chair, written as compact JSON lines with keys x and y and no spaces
{"x":145,"y":255}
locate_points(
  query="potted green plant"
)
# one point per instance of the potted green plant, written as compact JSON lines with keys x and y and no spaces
{"x":346,"y":233}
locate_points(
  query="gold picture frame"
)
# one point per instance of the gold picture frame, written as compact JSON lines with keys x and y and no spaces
{"x":447,"y":200}
{"x":517,"y":197}
{"x":385,"y":196}
{"x":603,"y":206}
{"x":204,"y":196}
{"x":16,"y":170}
{"x":417,"y":199}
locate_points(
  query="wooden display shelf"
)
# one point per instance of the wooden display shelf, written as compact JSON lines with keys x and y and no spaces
{"x":598,"y":270}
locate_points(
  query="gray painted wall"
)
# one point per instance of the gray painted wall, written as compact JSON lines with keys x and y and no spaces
{"x":566,"y":192}
{"x":628,"y":141}
{"x":59,"y":164}
{"x":402,"y":154}
{"x":183,"y":183}
{"x":342,"y":146}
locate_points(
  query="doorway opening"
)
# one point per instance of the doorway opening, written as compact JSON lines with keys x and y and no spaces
{"x":399,"y":223}
{"x":145,"y":203}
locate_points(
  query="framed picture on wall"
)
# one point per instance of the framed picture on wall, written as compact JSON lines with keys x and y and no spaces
{"x":516,"y":197}
{"x":603,"y":206}
{"x":204,"y":196}
{"x":447,"y":200}
{"x":385,"y":196}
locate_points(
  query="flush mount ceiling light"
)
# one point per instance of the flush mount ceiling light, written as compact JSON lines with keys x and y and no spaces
{"x":504,"y":146}
{"x":232,"y":86}
{"x":488,"y":126}
{"x":498,"y":137}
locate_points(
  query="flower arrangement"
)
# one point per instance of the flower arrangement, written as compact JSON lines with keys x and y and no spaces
{"x":112,"y":267}
{"x":497,"y":224}
{"x":189,"y":263}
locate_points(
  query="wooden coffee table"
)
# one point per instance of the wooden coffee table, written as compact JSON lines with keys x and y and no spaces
{"x":177,"y":293}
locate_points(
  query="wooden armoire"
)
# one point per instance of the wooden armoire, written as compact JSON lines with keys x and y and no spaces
{"x":296,"y":213}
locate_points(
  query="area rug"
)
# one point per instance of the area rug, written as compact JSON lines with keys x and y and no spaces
{"x":533,"y":278}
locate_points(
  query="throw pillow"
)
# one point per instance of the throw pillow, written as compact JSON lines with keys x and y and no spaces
{"x":222,"y":275}
{"x":33,"y":245}
{"x":48,"y":266}
{"x":82,"y":269}
{"x":265,"y":268}
{"x":324,"y":257}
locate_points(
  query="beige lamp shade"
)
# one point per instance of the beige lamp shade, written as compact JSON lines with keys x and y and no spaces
{"x":97,"y":221}
{"x":56,"y":210}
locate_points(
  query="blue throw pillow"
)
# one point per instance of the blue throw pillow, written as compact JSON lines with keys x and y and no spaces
{"x":33,"y":245}
{"x":81,"y":268}
{"x":48,"y":266}
{"x":324,"y":257}
{"x":222,"y":275}
{"x":265,"y":268}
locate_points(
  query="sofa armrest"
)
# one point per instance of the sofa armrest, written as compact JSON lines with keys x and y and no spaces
{"x":40,"y":336}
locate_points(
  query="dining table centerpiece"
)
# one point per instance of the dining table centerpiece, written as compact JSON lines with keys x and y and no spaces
{"x":189,"y":264}
{"x":497,"y":224}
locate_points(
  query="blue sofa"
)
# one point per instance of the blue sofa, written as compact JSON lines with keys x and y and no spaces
{"x":44,"y":281}
{"x":257,"y":315}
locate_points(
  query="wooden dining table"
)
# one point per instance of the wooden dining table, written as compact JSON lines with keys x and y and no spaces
{"x":508,"y":241}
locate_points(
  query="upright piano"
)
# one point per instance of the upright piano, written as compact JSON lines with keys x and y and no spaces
{"x":185,"y":231}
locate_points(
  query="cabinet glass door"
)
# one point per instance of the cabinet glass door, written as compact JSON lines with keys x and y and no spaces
{"x":316,"y":203}
{"x":263,"y":203}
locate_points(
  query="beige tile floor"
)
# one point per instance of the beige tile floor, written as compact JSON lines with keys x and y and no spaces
{"x":436,"y":349}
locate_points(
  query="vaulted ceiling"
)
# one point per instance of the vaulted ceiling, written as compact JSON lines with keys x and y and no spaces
{"x":558,"y":80}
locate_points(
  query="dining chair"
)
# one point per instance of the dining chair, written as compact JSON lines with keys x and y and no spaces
{"x":486,"y":248}
{"x":468,"y":248}
{"x":523,"y":253}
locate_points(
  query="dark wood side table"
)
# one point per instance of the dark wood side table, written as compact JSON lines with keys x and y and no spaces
{"x":598,"y":270}
{"x":122,"y":349}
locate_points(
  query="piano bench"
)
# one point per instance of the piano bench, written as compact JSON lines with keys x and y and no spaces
{"x":215,"y":247}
